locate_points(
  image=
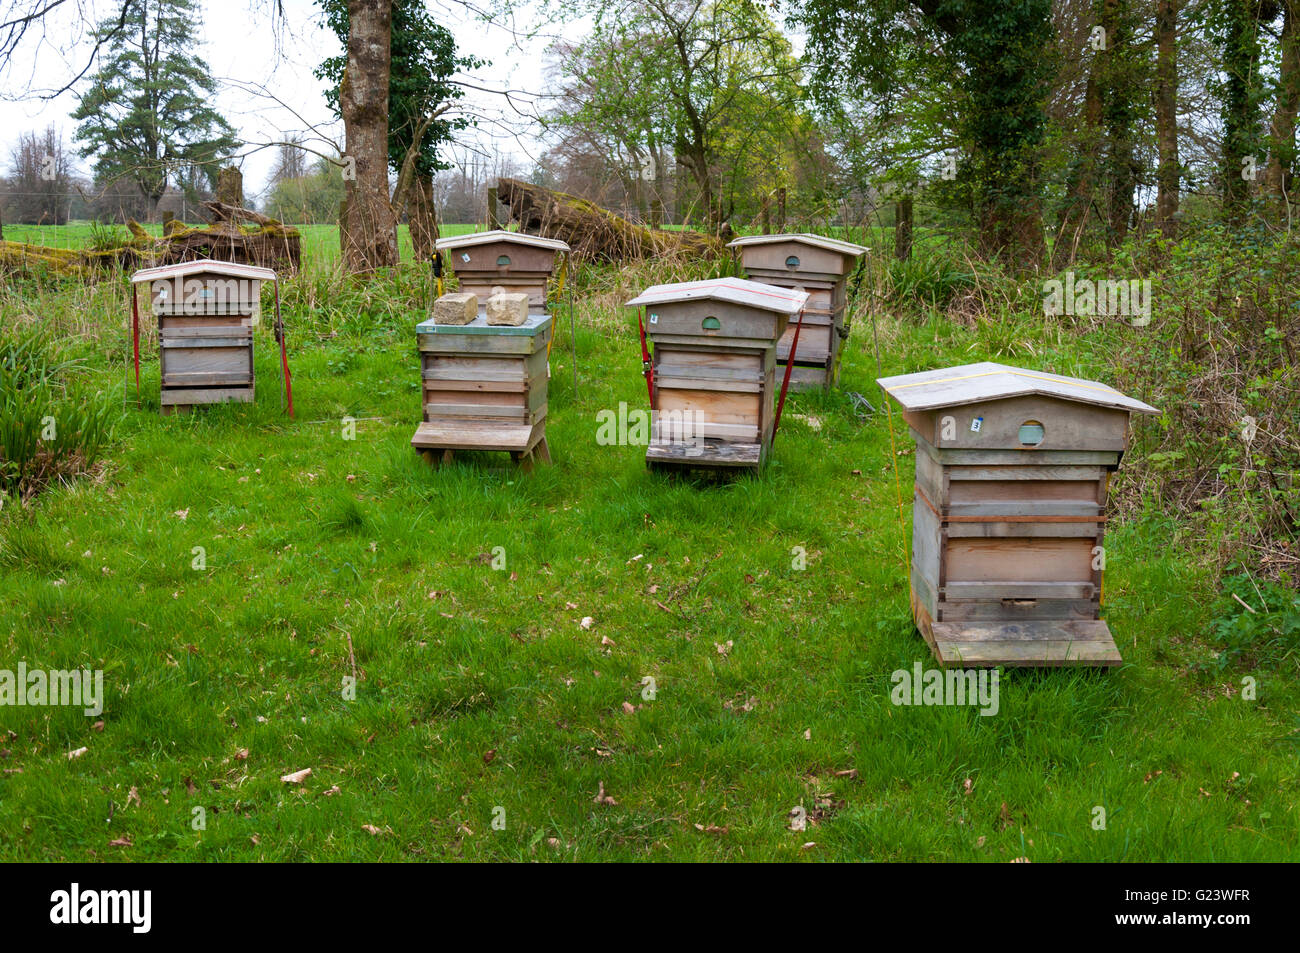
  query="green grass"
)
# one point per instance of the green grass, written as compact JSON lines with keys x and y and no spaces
{"x":480,"y":689}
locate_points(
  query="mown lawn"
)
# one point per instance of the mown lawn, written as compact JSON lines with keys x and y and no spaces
{"x":482,"y":696}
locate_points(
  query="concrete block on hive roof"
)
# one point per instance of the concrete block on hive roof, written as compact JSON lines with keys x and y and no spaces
{"x":459,"y":307}
{"x":507,"y":309}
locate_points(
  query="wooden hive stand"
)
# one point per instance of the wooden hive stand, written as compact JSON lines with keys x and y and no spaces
{"x":484,"y":389}
{"x":1008,"y":512}
{"x":821,"y":267}
{"x":206,"y":312}
{"x":712,"y":377}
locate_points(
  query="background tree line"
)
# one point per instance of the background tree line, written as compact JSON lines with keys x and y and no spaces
{"x":1035,"y":127}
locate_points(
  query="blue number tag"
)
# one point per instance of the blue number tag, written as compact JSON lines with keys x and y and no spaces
{"x":976,"y":424}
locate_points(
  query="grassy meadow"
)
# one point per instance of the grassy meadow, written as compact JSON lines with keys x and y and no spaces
{"x":587,"y":662}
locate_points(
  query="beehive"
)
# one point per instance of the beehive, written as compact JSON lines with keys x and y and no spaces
{"x":484,"y":388}
{"x":821,"y":267}
{"x":713,"y":377}
{"x":511,"y":261}
{"x":1009,"y":512}
{"x":206,"y":312}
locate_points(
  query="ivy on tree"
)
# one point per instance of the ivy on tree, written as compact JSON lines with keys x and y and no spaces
{"x":419,"y":81}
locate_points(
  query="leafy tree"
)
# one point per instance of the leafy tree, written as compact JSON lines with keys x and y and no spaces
{"x":308,"y":198}
{"x":712,"y":87}
{"x":999,"y":63}
{"x":147,"y":112}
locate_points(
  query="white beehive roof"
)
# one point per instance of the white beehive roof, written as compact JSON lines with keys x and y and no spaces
{"x":183,"y":269}
{"x":753,"y":294}
{"x":804,"y":238}
{"x":975,"y":383}
{"x":500,"y":235}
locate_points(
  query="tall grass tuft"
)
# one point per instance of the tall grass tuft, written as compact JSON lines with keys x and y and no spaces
{"x":50,"y":428}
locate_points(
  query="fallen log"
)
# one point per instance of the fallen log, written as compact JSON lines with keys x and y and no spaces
{"x":266,"y":242}
{"x":594,"y":232}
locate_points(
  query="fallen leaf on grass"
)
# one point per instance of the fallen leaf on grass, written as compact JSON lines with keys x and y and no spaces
{"x":603,"y":798}
{"x":587,"y":622}
{"x":121,"y":842}
{"x":98,"y":726}
{"x":296,"y":777}
{"x":183,"y":514}
{"x":724,"y":647}
{"x":372,"y":830}
{"x":628,"y":708}
{"x":241,"y":754}
{"x":711,"y":829}
{"x":490,"y":756}
{"x":77,"y":753}
{"x":850,"y":773}
{"x":133,"y":795}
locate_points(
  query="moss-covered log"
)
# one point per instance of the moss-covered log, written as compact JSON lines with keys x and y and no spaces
{"x":266,"y":242}
{"x":595,"y":232}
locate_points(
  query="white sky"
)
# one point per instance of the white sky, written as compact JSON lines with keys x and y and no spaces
{"x":239,"y":47}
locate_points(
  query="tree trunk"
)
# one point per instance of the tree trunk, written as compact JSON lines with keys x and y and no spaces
{"x":1082,"y":179}
{"x":370,"y":228}
{"x":423,"y":218}
{"x":1119,"y":111}
{"x":230,"y":187}
{"x":1281,"y":159}
{"x":903,"y":228}
{"x":1166,"y":95}
{"x":1240,"y":112}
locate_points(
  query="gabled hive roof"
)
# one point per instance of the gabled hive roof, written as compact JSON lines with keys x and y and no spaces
{"x":976,"y":383}
{"x":803,"y":238}
{"x":500,"y":235}
{"x":183,"y":269}
{"x":752,"y":294}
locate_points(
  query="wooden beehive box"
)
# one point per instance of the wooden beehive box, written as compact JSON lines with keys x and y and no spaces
{"x":512,"y":261}
{"x":1009,"y":512}
{"x":714,"y":369}
{"x":484,"y":388}
{"x":820,"y":266}
{"x":206,"y":312}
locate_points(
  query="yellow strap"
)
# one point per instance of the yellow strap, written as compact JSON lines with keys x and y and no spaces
{"x":1040,"y":377}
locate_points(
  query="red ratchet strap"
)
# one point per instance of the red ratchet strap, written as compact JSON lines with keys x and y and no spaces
{"x":135,"y":336}
{"x":284,"y":354}
{"x":785,"y":382}
{"x":647,"y":366}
